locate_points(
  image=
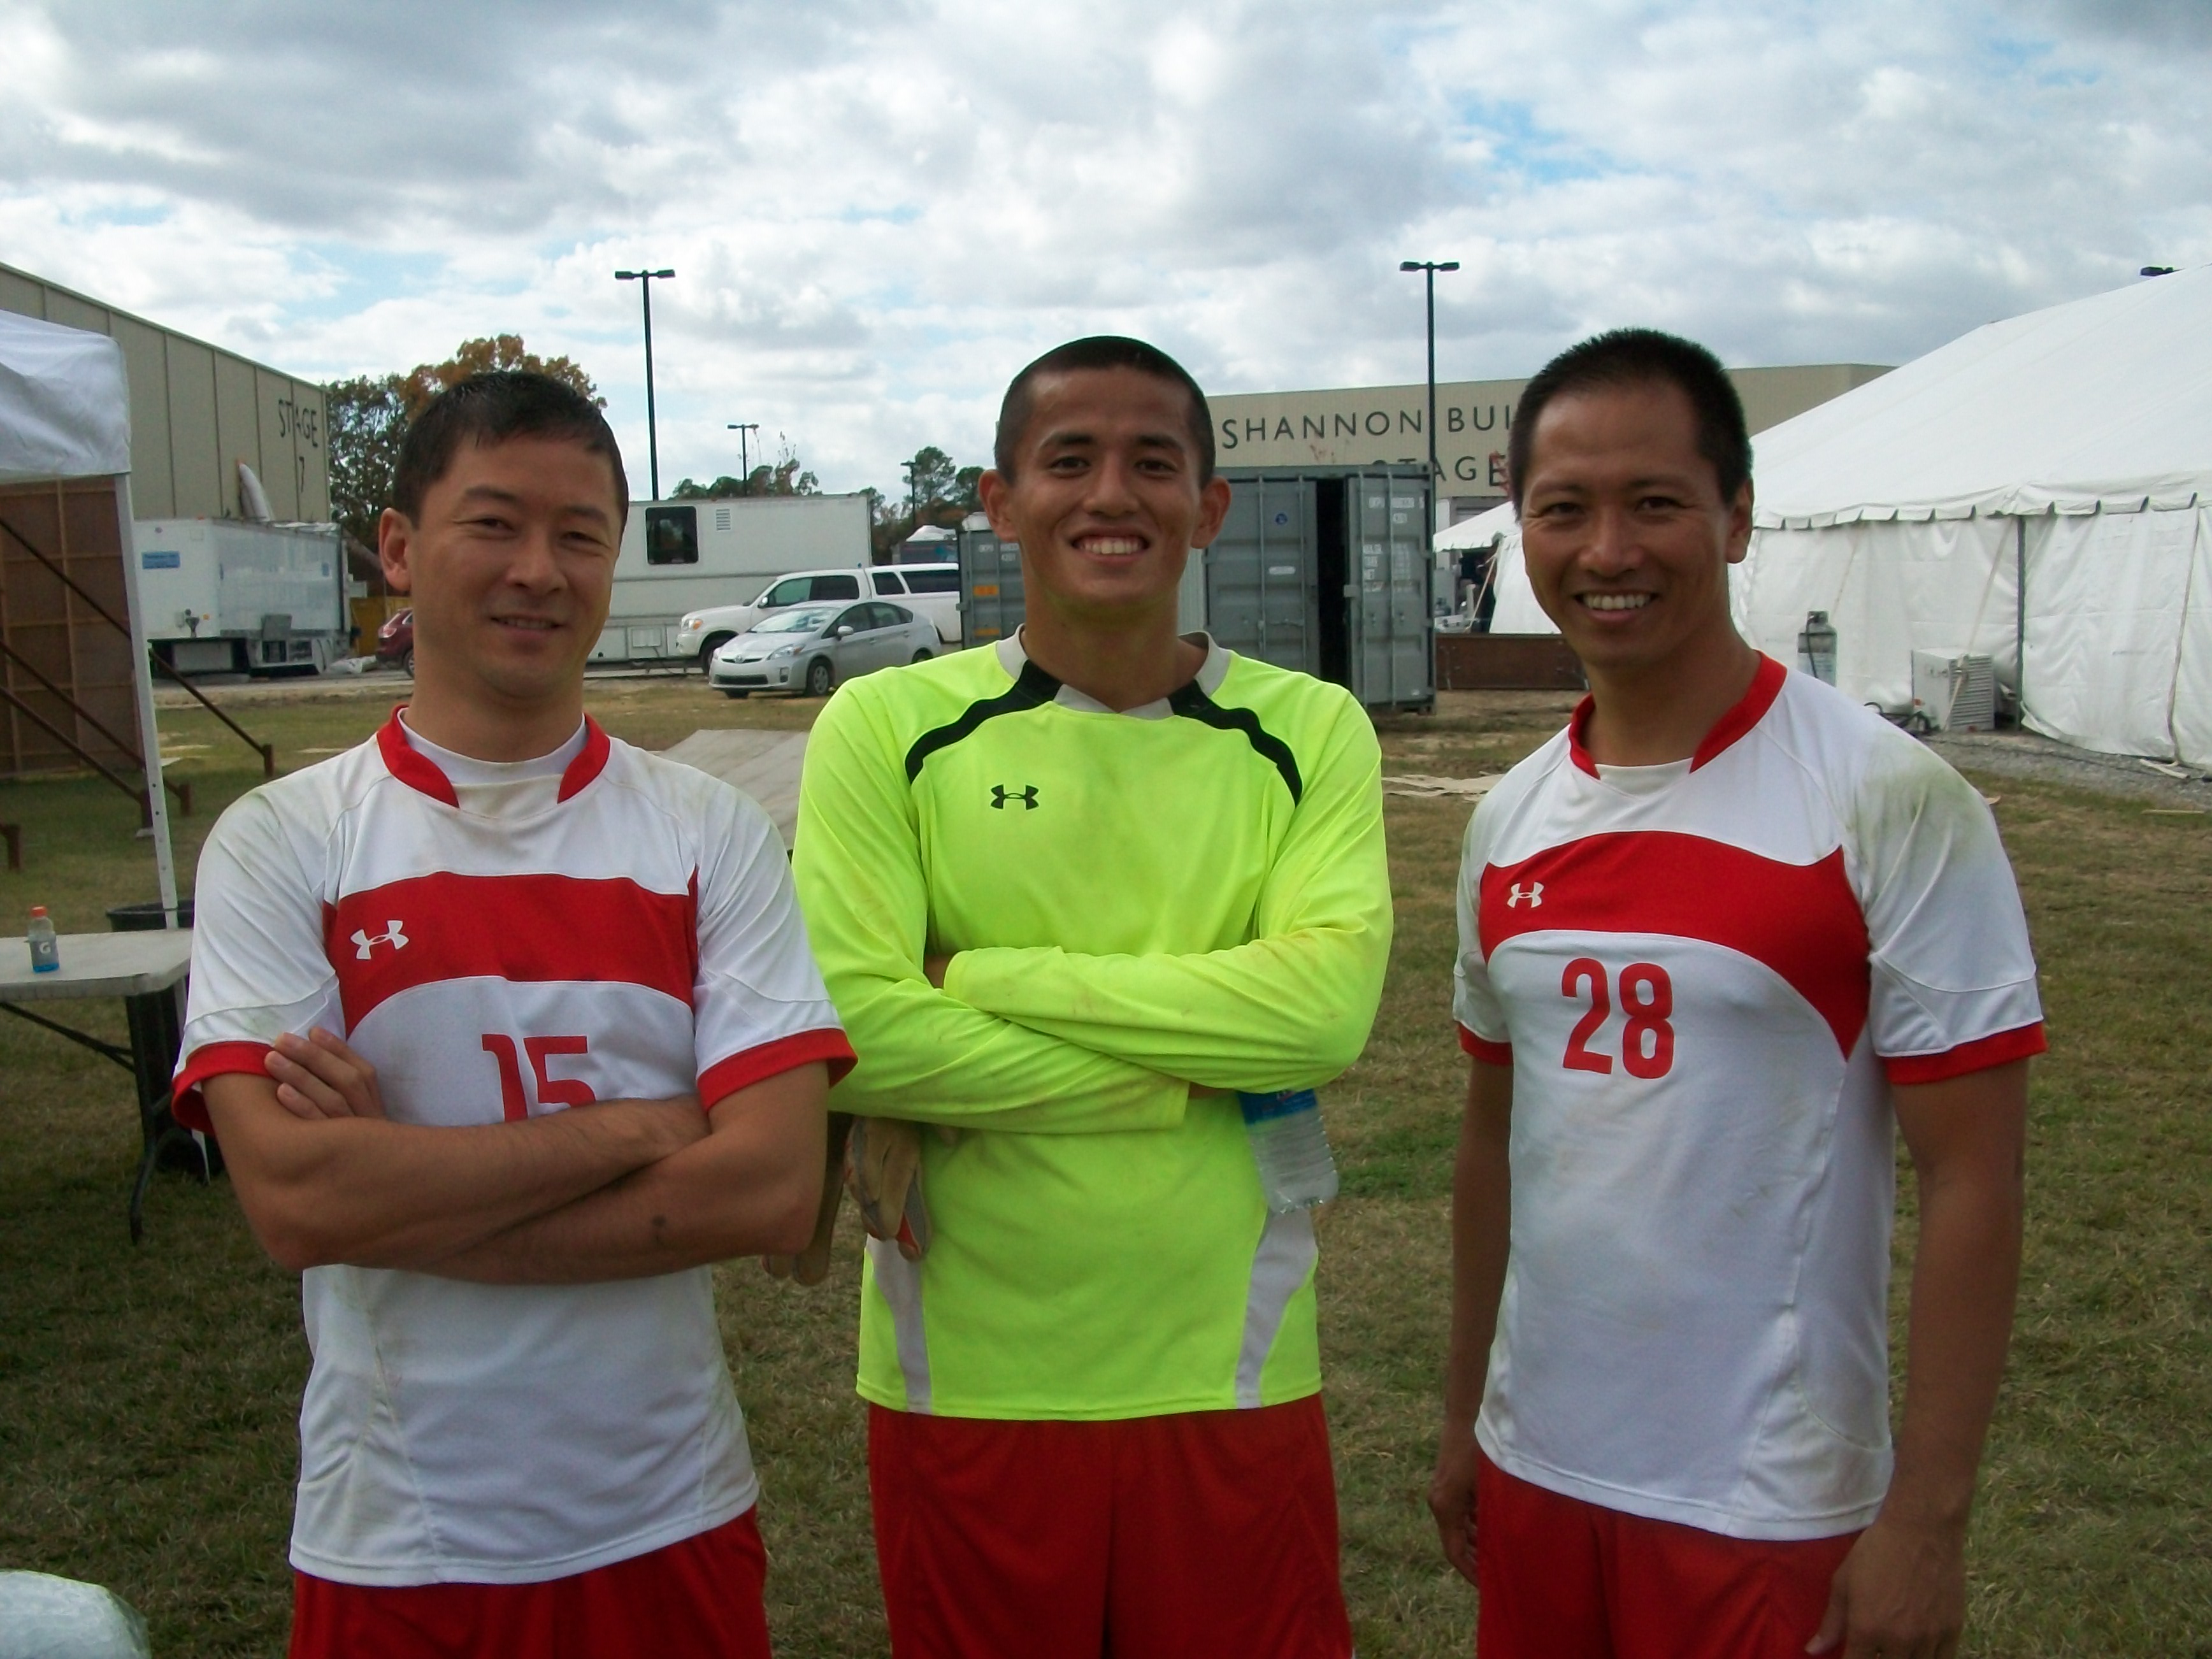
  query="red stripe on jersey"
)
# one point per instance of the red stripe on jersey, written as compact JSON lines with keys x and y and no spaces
{"x":590,"y":760}
{"x":785,"y":1054}
{"x":2000,"y":1049}
{"x":1489,"y":1053}
{"x":1802,"y":921}
{"x":187,"y":1104}
{"x":529,"y":929}
{"x":1749,"y":709}
{"x":417,"y":771}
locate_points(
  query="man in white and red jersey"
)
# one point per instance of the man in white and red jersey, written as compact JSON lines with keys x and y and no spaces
{"x":1719,"y":940}
{"x":458,"y":997}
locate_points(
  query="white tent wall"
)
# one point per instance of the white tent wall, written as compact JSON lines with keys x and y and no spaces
{"x":1889,"y":590}
{"x":2105,"y":597}
{"x":2192,"y":674}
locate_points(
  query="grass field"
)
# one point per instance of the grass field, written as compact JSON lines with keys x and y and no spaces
{"x":148,"y":1397}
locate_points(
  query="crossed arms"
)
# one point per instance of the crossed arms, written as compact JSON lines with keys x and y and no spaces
{"x":1054,"y":1041}
{"x":620,"y":1189}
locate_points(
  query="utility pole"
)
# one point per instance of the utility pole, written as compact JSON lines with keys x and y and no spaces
{"x":1429,"y":268}
{"x":744,"y":455}
{"x":645,"y":280}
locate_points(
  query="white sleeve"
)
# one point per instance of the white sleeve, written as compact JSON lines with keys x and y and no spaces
{"x":1953,"y":975}
{"x":1475,"y":1005}
{"x":259,"y":965}
{"x":759,"y":1005}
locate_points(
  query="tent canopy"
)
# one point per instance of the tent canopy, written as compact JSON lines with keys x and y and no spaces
{"x":64,"y":404}
{"x":2102,"y":404}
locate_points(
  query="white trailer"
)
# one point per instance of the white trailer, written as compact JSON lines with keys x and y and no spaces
{"x":679,"y":556}
{"x":226,"y":595}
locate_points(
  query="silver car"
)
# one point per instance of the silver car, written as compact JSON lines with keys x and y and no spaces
{"x":811,"y":648}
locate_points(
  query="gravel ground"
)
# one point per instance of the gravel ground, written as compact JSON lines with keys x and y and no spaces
{"x":2017,"y":754}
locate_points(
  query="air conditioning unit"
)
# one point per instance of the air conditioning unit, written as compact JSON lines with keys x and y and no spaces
{"x":1954,"y":691}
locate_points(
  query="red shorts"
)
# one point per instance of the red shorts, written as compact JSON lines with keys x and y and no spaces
{"x":1564,"y":1579}
{"x":698,"y":1599}
{"x":1208,"y":1534}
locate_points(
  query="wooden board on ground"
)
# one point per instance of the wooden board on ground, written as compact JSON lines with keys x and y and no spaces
{"x":762,"y":764}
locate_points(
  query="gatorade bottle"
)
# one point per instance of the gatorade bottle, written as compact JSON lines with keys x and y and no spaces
{"x":45,"y":953}
{"x":1296,"y":1169}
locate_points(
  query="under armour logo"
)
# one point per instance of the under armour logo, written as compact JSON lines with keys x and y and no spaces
{"x":1026,"y":794}
{"x":364,"y":941}
{"x":1534,"y":892}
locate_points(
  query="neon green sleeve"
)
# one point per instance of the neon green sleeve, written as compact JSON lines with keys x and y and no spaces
{"x":923,"y":1053}
{"x":1290,"y":1009}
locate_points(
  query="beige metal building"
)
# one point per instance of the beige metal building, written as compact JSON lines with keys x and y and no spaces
{"x":1361,"y":426}
{"x":196,"y":411}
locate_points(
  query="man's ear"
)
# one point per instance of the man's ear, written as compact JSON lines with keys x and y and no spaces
{"x":395,"y":536}
{"x":992,"y":490}
{"x":1739,"y":527}
{"x":1212,"y":508}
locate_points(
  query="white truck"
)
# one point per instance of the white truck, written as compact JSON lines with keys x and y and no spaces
{"x":225,"y":596}
{"x":681,"y":556}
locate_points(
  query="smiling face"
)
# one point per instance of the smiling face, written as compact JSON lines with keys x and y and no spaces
{"x":1105,"y":496}
{"x":510,"y":564}
{"x":1625,"y":534}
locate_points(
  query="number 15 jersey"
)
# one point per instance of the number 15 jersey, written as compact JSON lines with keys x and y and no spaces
{"x":1706,"y":975}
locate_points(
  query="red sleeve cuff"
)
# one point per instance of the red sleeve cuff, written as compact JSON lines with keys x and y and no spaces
{"x":1979,"y":1055}
{"x":741,"y":1071}
{"x":213,"y":1059}
{"x":1489,"y":1053}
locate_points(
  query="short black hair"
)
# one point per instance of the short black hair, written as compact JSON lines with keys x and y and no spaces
{"x":491,"y":408}
{"x":1639,"y":356}
{"x":1100,"y":351}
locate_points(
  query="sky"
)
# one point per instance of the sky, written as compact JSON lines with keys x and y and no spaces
{"x":878,"y":209}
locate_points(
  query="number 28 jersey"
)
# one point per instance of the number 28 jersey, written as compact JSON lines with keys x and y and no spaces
{"x":1705,"y":975}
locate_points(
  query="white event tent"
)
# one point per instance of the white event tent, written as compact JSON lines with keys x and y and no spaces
{"x":2038,"y":489}
{"x":65,"y":414}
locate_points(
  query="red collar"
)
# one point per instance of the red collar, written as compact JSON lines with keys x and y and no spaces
{"x":1750,"y":709}
{"x":418,"y":771}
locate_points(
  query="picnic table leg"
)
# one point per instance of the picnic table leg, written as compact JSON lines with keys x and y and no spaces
{"x":156,"y":1032}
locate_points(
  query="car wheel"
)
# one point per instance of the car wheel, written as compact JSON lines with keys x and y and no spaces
{"x":407,"y":663}
{"x":728,"y":692}
{"x":820,"y":677}
{"x":706,"y":651}
{"x":921,"y":656}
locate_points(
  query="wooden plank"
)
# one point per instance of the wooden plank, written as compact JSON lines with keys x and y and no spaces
{"x":764,"y":765}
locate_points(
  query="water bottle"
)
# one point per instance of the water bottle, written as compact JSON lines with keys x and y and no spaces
{"x":1295,"y":1169}
{"x":46,"y":952}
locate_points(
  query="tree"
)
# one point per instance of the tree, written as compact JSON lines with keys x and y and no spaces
{"x":367,"y":419}
{"x":364,"y":420}
{"x":937,"y":493}
{"x":784,"y":478}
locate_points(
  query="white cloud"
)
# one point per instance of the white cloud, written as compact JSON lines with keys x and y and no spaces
{"x":877,"y":211}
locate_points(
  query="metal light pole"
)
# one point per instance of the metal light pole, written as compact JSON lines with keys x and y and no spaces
{"x":745,"y":453}
{"x":645,"y":279}
{"x":1429,"y":268}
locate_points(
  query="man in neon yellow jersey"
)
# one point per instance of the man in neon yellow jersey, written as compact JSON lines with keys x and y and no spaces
{"x":1072,"y":894}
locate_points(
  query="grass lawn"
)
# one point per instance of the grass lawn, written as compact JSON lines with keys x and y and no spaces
{"x":148,"y":1397}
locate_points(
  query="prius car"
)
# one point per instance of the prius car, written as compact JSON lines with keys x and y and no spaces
{"x":811,"y":648}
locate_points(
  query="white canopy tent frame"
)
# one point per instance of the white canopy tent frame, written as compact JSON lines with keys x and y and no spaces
{"x":65,"y":415}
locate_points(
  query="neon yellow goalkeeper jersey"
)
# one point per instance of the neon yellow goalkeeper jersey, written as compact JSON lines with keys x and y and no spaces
{"x":1190,"y":893}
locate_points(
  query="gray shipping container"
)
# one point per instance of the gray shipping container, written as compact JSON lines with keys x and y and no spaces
{"x":1326,"y":569}
{"x":990,"y":583}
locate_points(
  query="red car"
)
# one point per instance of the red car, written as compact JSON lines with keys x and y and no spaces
{"x":395,"y":640}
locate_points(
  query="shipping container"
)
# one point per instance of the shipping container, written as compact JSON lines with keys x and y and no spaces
{"x":225,"y":596}
{"x":679,"y":556}
{"x":1324,"y":569}
{"x":1328,"y":570}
